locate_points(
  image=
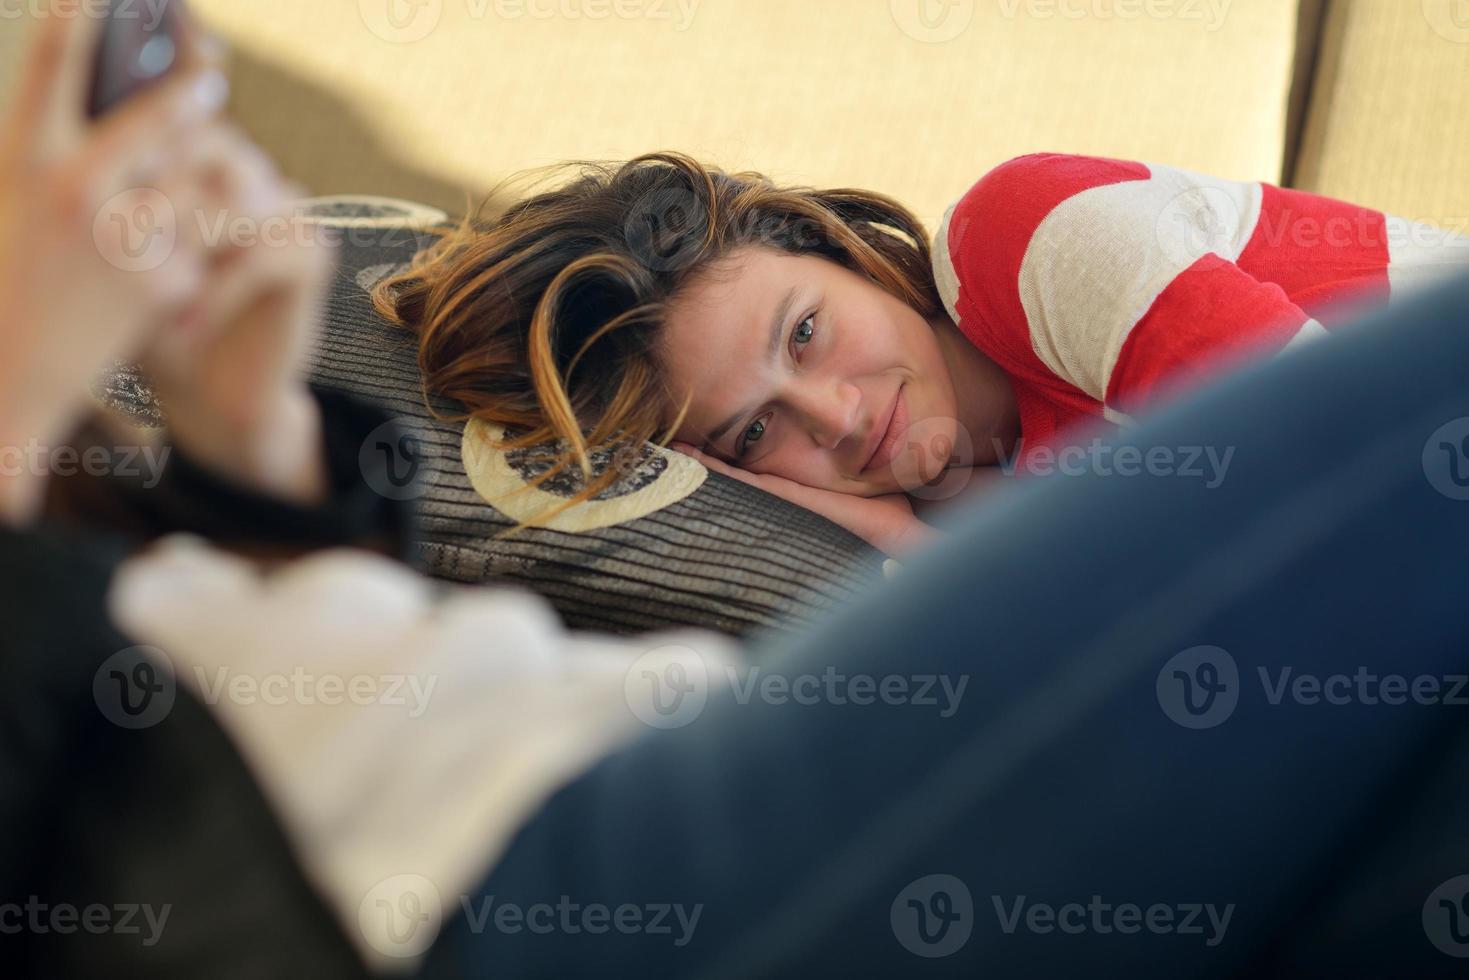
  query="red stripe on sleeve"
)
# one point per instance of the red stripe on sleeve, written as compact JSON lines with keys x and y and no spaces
{"x":1212,"y":316}
{"x":989,"y":233}
{"x":1326,"y":254}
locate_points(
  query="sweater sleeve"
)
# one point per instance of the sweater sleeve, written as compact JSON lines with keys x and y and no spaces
{"x":1112,"y":282}
{"x":1107,"y":284}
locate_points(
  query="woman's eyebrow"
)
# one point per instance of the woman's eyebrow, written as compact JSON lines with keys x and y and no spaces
{"x":777,"y":322}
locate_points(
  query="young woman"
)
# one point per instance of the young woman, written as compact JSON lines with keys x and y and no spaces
{"x":810,"y":342}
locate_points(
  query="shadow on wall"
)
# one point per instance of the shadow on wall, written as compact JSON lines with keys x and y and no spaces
{"x":343,"y":155}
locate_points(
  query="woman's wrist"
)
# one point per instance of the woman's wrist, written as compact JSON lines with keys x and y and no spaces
{"x":279,"y":453}
{"x":913,"y":536}
{"x":27,"y":440}
{"x":21,"y":490}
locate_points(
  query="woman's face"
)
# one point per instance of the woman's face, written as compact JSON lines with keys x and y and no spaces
{"x":797,"y":365}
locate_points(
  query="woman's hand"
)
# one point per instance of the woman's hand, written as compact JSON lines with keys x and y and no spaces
{"x":71,"y":306}
{"x":157,"y":233}
{"x":227,"y":368}
{"x":886,"y":522}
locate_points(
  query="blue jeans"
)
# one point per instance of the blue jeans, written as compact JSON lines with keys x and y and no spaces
{"x":1207,"y":727}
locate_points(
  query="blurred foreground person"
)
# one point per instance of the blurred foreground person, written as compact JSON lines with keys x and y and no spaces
{"x":1071,"y":740}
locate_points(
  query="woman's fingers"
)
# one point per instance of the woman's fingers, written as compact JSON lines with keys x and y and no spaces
{"x":887,"y":522}
{"x":38,"y":80}
{"x":237,"y":197}
{"x":49,"y":109}
{"x":218,"y":195}
{"x":295,"y":265}
{"x":129,"y":145}
{"x":197,"y":46}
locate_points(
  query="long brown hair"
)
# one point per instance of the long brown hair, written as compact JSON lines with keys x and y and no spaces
{"x":547,"y":320}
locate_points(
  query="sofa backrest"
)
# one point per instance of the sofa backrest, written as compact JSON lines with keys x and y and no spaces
{"x":915,"y":98}
{"x":1388,"y":125}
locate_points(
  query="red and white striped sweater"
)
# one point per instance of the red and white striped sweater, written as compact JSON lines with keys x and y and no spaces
{"x":1099,"y":285}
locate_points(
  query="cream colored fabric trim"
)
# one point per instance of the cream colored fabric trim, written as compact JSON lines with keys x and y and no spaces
{"x":944,"y":274}
{"x":658,"y":478}
{"x":1423,"y":255}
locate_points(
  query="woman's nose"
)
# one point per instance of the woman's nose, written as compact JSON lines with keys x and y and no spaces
{"x":831,"y":411}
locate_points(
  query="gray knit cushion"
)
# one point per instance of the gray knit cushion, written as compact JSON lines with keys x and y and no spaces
{"x":671,"y":544}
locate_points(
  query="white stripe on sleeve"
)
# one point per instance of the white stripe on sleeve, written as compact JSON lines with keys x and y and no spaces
{"x":1102,"y":258}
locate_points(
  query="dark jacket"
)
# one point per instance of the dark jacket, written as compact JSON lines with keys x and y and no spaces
{"x":133,"y":841}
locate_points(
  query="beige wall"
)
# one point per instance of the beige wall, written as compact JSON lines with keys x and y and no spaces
{"x":828,"y":92}
{"x":1389,"y":119}
{"x":831,"y":92}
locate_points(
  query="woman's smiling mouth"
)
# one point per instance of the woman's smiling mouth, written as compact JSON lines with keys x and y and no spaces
{"x":892,"y":435}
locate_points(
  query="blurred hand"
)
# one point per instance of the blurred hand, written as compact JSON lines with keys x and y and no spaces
{"x":107,"y":252}
{"x":227,"y":368}
{"x":69,"y":311}
{"x":886,"y":522}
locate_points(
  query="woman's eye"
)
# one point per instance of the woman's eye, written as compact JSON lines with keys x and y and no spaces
{"x":804,"y":331}
{"x":752,"y":434}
